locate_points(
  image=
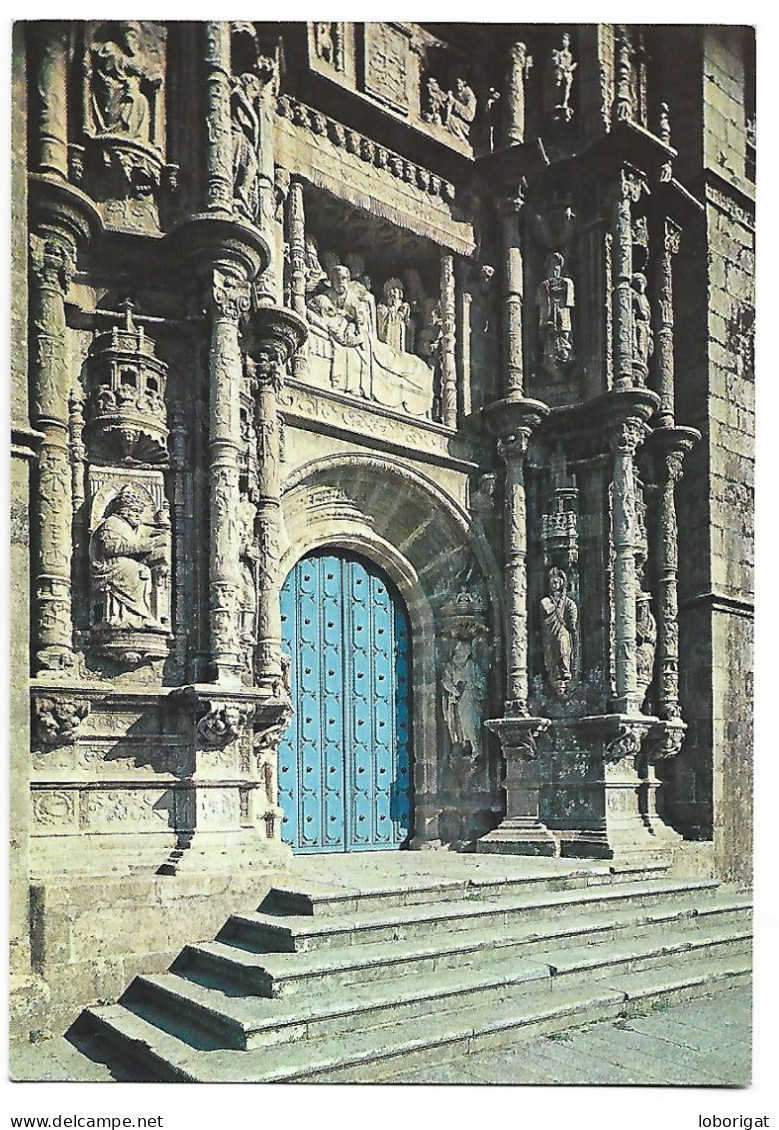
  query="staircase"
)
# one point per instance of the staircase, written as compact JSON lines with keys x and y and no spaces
{"x":332,"y":984}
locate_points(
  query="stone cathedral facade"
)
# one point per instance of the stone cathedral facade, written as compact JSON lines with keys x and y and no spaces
{"x":382,"y":406}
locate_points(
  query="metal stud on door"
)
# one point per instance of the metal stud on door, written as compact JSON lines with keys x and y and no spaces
{"x":344,"y":762}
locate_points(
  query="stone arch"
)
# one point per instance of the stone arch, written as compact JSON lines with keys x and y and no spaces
{"x":424,"y":541}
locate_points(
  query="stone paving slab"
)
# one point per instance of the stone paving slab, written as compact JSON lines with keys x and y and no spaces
{"x":703,"y":1042}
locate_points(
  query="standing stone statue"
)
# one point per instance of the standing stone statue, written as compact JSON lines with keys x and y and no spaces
{"x":464,"y":687}
{"x":555,"y":301}
{"x":561,"y":81}
{"x":394,"y":317}
{"x":643,"y":338}
{"x":122,"y":84}
{"x":245,"y":124}
{"x":559,"y":632}
{"x":462,"y":109}
{"x":123,"y":551}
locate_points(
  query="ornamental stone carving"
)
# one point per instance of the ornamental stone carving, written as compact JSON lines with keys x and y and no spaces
{"x":57,"y":719}
{"x":454,"y":109}
{"x":393,"y":317}
{"x":559,"y":633}
{"x":222,"y":723}
{"x":555,"y":301}
{"x":646,"y":642}
{"x":126,"y":402}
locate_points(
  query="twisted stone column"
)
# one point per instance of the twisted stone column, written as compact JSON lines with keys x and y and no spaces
{"x":664,"y":331}
{"x":512,"y":449}
{"x":273,"y":337}
{"x":674,"y":444}
{"x":448,"y":344}
{"x":622,"y":274}
{"x":296,"y":220}
{"x":230,"y":300}
{"x":219,"y":159}
{"x":513,"y":288}
{"x":624,"y":444}
{"x":514,"y":128}
{"x":52,"y":263}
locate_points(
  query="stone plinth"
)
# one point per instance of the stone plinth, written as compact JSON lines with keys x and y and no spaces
{"x":521,"y":832}
{"x":598,"y":787}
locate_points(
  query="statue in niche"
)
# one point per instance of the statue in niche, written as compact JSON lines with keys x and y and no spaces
{"x":124,"y":552}
{"x":429,"y":336}
{"x":555,"y":300}
{"x":561,"y":81}
{"x":559,"y":632}
{"x":123,"y":84}
{"x":464,"y":687}
{"x":245,"y":127}
{"x":394,"y":317}
{"x":646,"y":641}
{"x":643,"y":338}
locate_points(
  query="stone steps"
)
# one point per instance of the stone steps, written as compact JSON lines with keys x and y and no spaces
{"x":321,"y":899}
{"x":333,"y":970}
{"x":214,"y":1018}
{"x":297,"y":933}
{"x":368,"y":982}
{"x":384,"y":1053}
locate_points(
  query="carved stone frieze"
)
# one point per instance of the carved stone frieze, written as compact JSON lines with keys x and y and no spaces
{"x":387,"y":64}
{"x":300,"y":114}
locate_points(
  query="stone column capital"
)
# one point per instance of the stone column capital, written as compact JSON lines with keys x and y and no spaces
{"x":52,"y":260}
{"x":628,"y":437}
{"x":230,"y":294}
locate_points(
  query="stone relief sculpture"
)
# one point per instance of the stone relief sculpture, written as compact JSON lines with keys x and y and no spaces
{"x":394,"y":317}
{"x":555,"y":301}
{"x":124,"y":83}
{"x":646,"y":641}
{"x":561,"y":72}
{"x":329,"y":43}
{"x":643,"y":337}
{"x":454,"y":109}
{"x":129,"y":554}
{"x":347,"y":350}
{"x":559,"y":633}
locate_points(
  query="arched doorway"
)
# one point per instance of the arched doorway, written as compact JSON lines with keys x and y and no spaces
{"x":345,"y":759}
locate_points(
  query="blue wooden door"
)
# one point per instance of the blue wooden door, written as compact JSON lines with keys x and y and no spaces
{"x":344,"y":761}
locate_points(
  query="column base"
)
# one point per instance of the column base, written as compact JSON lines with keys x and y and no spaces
{"x":518,"y":836}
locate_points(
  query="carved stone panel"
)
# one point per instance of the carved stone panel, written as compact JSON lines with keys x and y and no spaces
{"x":130,"y":564}
{"x":387,"y":65}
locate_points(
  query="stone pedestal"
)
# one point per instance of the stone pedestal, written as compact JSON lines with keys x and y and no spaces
{"x":521,"y":832}
{"x":599,"y":788}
